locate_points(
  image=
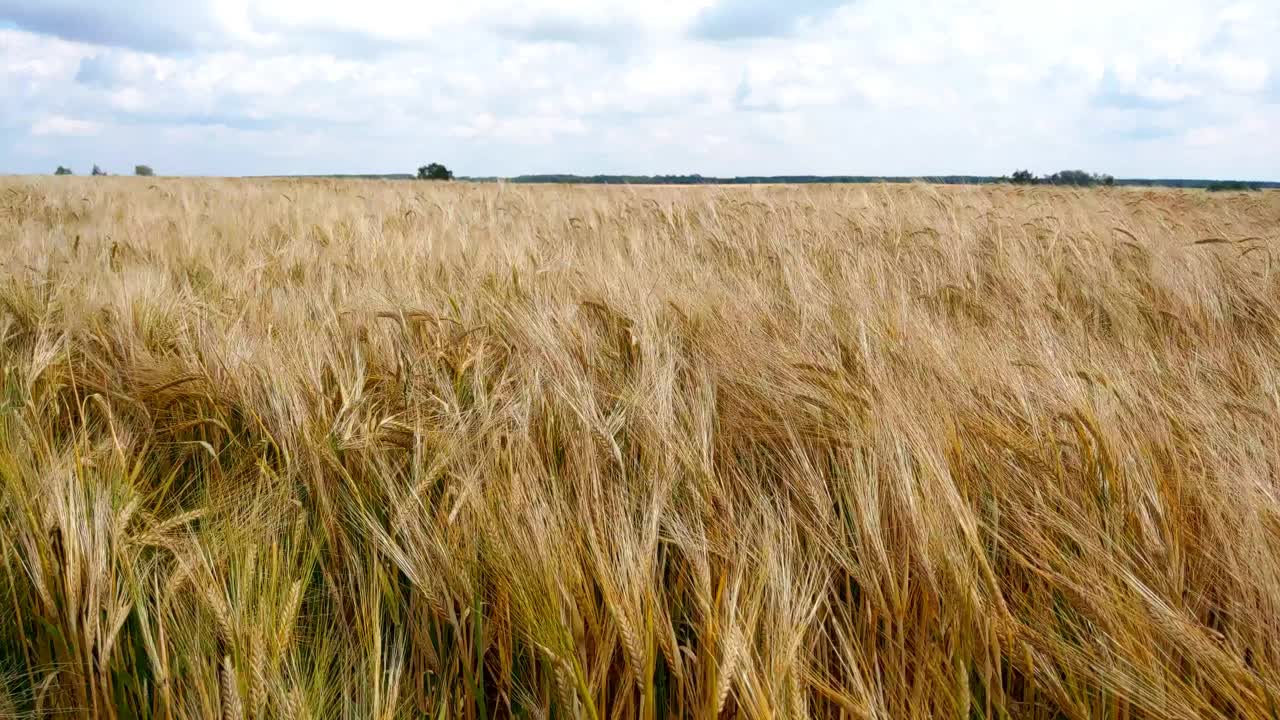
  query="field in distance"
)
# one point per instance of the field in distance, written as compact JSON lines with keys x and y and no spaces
{"x":291,"y":449}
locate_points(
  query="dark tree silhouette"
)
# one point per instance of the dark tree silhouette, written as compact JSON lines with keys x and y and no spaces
{"x":63,"y":171}
{"x":1078,"y":178}
{"x":98,"y":171}
{"x":434,"y":171}
{"x":143,"y":171}
{"x":1073,"y":178}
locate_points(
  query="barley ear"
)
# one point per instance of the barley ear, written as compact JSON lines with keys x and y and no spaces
{"x":257,"y":678}
{"x":727,"y":669}
{"x":228,"y":692}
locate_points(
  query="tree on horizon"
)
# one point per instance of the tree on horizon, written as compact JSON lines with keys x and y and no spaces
{"x":434,"y":171}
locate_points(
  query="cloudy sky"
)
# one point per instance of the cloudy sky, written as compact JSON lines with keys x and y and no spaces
{"x":1171,"y":88}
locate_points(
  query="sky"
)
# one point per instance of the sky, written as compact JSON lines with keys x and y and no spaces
{"x":1134,"y":88}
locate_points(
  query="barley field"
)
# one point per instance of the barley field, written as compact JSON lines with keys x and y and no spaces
{"x":320,"y":449}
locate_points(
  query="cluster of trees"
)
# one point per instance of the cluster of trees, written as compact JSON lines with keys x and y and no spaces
{"x":1076,"y":178}
{"x":617,"y":179}
{"x":749,"y":179}
{"x":1022,"y":177}
{"x":1229,"y":185}
{"x":434,"y":171}
{"x":139,"y":170}
{"x":1070,"y":178}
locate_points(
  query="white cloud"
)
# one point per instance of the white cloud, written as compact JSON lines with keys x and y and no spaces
{"x":1161,"y":90}
{"x":404,"y":21}
{"x":739,"y":86}
{"x":1241,"y":74}
{"x":60,"y":125}
{"x":521,"y":129}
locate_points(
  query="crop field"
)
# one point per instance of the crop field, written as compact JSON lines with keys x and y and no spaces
{"x":358,"y":449}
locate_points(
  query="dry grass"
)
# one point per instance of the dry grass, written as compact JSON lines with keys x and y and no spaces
{"x":313,"y":449}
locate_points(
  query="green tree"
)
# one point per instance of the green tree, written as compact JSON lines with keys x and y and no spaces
{"x":1225,"y":185}
{"x":434,"y":171}
{"x":63,"y":171}
{"x":1077,"y":178}
{"x":98,"y":171}
{"x":143,"y":171}
{"x":1023,"y":177}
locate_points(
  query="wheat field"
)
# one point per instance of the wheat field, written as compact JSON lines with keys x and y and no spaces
{"x":323,"y":449}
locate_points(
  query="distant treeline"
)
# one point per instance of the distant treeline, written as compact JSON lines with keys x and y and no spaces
{"x":853,"y":179}
{"x":746,"y":180}
{"x":816,"y":179}
{"x":1201,"y":184}
{"x":358,"y":176}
